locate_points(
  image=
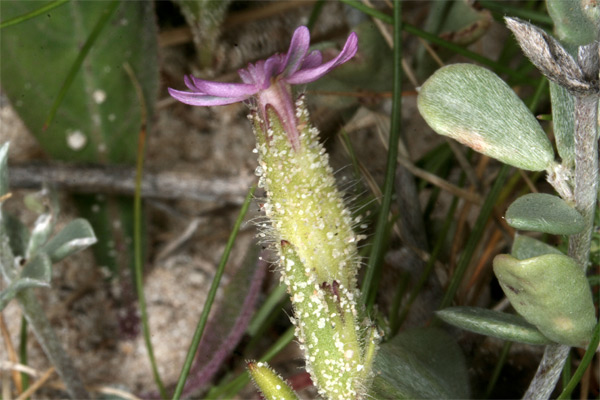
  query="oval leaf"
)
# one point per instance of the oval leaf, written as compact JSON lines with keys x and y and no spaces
{"x":493,"y":323}
{"x":42,"y":229}
{"x":76,"y":236}
{"x":541,"y":212}
{"x":16,"y":286}
{"x":39,"y":269}
{"x":422,"y":363}
{"x":526,"y":247}
{"x":551,"y":292}
{"x":575,"y":22}
{"x":475,"y":107}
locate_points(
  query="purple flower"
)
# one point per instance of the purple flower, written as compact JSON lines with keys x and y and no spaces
{"x":269,"y":81}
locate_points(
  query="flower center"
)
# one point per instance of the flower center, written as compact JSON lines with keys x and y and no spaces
{"x":279,"y":96}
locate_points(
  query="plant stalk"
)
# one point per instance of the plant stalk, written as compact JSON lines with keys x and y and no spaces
{"x":585,"y":194}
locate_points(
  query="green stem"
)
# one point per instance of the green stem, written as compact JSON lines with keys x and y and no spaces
{"x":585,"y":195}
{"x":585,"y":362}
{"x":23,"y":352}
{"x":497,"y":369}
{"x":187,"y":365}
{"x":373,"y":272}
{"x":42,"y":10}
{"x":137,"y":240}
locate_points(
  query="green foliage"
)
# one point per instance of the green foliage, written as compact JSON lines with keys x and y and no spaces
{"x":474,"y":106}
{"x":527,"y":247}
{"x":493,"y":323}
{"x":576,"y":23}
{"x":541,"y":212}
{"x":551,"y":292}
{"x":422,"y":363}
{"x":563,"y":122}
{"x":36,"y":273}
{"x":99,"y":117}
{"x":76,"y":236}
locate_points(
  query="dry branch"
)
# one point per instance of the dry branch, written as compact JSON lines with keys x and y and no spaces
{"x":121,"y":180}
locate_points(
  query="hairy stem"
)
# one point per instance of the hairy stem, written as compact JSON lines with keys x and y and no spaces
{"x":585,"y":195}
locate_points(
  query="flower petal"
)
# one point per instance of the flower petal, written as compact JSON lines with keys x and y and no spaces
{"x":220,"y":89}
{"x":297,"y":51}
{"x":201,"y":99}
{"x":312,"y":74}
{"x":314,"y":59}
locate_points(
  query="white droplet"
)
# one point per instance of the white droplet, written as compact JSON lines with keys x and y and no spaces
{"x":99,"y":96}
{"x":112,"y":117}
{"x":76,"y":140}
{"x":95,"y":208}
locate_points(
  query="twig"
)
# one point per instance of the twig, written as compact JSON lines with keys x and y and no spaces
{"x":12,"y":354}
{"x":37,"y":384}
{"x":121,"y":180}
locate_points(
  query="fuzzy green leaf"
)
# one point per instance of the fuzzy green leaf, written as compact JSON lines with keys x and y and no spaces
{"x":39,"y":269}
{"x":575,"y":22}
{"x":475,"y":107}
{"x":493,"y":323}
{"x":74,"y":237}
{"x":42,"y":229}
{"x":422,"y":363}
{"x":563,"y":122}
{"x":541,"y":212}
{"x":551,"y":292}
{"x":526,"y":247}
{"x":36,"y":273}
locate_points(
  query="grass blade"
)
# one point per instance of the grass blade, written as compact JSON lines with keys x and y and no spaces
{"x":413,"y":30}
{"x":33,"y":14}
{"x":211,"y":297}
{"x":373,"y":272}
{"x":137,"y":232}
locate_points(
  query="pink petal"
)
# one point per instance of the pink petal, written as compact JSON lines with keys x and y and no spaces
{"x":312,"y":74}
{"x":297,"y":51}
{"x":201,"y":99}
{"x":314,"y":59}
{"x":273,"y":67}
{"x":220,"y":89}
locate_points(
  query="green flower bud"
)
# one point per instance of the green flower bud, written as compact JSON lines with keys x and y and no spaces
{"x":271,"y":385}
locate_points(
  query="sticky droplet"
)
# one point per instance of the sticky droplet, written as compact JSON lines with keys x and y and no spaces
{"x":99,"y":96}
{"x":76,"y":140}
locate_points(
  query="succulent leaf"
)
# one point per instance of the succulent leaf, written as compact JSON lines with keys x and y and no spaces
{"x":475,"y":107}
{"x":552,"y":293}
{"x":493,"y":323}
{"x":541,"y":212}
